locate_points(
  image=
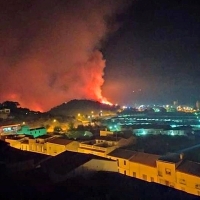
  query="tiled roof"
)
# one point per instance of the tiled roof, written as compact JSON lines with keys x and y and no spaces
{"x":171,"y":158}
{"x":122,"y":153}
{"x":145,"y":158}
{"x":189,"y":167}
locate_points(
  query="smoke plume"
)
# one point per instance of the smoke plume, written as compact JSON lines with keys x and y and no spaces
{"x":49,"y":50}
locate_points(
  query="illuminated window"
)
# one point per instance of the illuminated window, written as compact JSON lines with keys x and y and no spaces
{"x":197,"y":186}
{"x":168,"y":171}
{"x":152,"y":179}
{"x":159,"y":173}
{"x":182,"y":181}
{"x":134,"y":174}
{"x":144,"y":177}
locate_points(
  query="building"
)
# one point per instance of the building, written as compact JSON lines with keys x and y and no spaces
{"x":106,"y":133}
{"x":10,"y":129}
{"x":15,"y":140}
{"x":166,"y":166}
{"x":35,"y":132}
{"x":103,"y":145}
{"x":28,"y":143}
{"x":171,"y":170}
{"x":147,"y":131}
{"x":188,"y":177}
{"x":123,"y":159}
{"x":69,"y":164}
{"x":14,"y":160}
{"x":4,"y":113}
{"x":197,"y":105}
{"x":158,"y":118}
{"x":143,"y":166}
{"x":59,"y":145}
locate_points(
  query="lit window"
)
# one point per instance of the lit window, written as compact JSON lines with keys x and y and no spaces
{"x":168,"y":171}
{"x":159,"y":173}
{"x":197,"y":186}
{"x":134,"y":174}
{"x":182,"y":181}
{"x":144,"y":177}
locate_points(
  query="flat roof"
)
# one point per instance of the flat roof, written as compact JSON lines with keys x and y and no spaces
{"x":145,"y":159}
{"x":108,"y":138}
{"x":60,"y":141}
{"x":122,"y":153}
{"x":93,"y":150}
{"x":45,"y":136}
{"x":25,"y":142}
{"x":189,"y":167}
{"x":15,"y":137}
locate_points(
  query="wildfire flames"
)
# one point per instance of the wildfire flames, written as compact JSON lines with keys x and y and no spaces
{"x":54,"y":59}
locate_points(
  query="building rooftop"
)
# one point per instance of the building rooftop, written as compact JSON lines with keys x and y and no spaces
{"x":25,"y":142}
{"x":104,"y":145}
{"x":66,"y":161}
{"x":172,"y":158}
{"x":145,"y":159}
{"x":108,"y":138}
{"x":38,"y":128}
{"x":12,"y":155}
{"x":94,"y":150}
{"x":45,"y":136}
{"x":15,"y":137}
{"x":61,"y":141}
{"x":122,"y":153}
{"x":189,"y":167}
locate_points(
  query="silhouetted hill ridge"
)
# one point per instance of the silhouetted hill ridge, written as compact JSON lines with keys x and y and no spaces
{"x":83,"y":106}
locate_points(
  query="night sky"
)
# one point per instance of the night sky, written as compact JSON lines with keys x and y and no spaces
{"x":147,"y":51}
{"x":156,"y":50}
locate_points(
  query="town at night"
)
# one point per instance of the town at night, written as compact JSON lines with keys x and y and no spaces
{"x":99,"y":99}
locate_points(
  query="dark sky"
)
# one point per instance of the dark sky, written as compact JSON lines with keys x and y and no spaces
{"x":156,"y":50}
{"x":55,"y":50}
